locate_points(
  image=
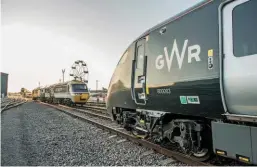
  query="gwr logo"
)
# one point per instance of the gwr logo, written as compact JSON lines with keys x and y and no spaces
{"x":193,"y":52}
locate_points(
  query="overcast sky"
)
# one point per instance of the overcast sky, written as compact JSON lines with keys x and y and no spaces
{"x":41,"y":37}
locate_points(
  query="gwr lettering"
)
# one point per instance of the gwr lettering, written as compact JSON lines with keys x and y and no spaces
{"x":193,"y":52}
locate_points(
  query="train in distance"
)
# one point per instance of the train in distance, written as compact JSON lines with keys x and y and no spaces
{"x":69,"y":93}
{"x":191,"y":81}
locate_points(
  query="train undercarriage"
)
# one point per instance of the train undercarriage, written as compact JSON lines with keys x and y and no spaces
{"x":63,"y":101}
{"x":191,"y":136}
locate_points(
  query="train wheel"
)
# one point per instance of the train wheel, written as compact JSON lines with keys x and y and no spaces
{"x":139,"y":130}
{"x":202,"y":155}
{"x":139,"y":133}
{"x":206,"y":150}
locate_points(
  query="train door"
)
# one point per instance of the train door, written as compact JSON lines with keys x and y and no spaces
{"x":239,"y":26}
{"x":139,"y":73}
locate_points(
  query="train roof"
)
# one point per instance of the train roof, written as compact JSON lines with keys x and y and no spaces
{"x":45,"y":87}
{"x":169,"y":20}
{"x":67,"y":82}
{"x":37,"y":88}
{"x":3,"y":73}
{"x":177,"y":16}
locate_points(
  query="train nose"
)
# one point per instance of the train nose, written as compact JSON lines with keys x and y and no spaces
{"x":80,"y":97}
{"x":84,"y":96}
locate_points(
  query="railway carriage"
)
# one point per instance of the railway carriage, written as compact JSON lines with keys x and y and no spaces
{"x":192,"y":81}
{"x":47,"y":94}
{"x":43,"y":94}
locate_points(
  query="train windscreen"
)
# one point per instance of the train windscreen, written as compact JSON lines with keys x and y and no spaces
{"x":79,"y":88}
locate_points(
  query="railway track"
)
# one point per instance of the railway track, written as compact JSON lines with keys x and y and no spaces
{"x":88,"y":112}
{"x":104,"y":122}
{"x":94,"y":106}
{"x":99,"y":104}
{"x":10,"y":103}
{"x":96,"y":109}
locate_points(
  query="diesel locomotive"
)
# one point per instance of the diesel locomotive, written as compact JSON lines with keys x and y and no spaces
{"x":36,"y":93}
{"x":69,"y":93}
{"x":191,"y":81}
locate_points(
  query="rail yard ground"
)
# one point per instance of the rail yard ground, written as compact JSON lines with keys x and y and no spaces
{"x":35,"y":134}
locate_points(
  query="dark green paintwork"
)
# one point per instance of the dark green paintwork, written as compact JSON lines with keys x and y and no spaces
{"x":199,"y":27}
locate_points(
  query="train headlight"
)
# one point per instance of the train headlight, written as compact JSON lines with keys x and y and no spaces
{"x":75,"y":94}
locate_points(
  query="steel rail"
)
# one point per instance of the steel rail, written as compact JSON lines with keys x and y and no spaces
{"x":95,"y":104}
{"x":12,"y":106}
{"x":8,"y":103}
{"x":92,"y":102}
{"x":178,"y":156}
{"x":85,"y":112}
{"x":95,"y":108}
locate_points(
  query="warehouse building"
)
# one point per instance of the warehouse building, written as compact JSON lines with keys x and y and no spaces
{"x":4,"y":84}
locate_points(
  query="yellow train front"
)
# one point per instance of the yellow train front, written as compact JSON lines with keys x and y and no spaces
{"x":36,"y":94}
{"x":79,"y":92}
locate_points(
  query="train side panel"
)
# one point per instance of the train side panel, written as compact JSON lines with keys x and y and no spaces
{"x":181,"y":60}
{"x":238,"y":139}
{"x":239,"y":27}
{"x":235,"y":141}
{"x":183,"y":64}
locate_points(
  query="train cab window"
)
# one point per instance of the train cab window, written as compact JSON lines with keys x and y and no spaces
{"x":140,"y":57}
{"x":79,"y":88}
{"x":124,"y":57}
{"x":245,"y":29}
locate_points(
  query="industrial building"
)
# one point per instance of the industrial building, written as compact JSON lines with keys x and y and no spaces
{"x":4,"y":84}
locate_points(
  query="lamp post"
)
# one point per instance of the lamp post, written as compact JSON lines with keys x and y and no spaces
{"x":96,"y":90}
{"x":97,"y":85}
{"x":63,"y":71}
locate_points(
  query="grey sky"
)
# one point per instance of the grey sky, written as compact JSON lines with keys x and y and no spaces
{"x":40,"y":37}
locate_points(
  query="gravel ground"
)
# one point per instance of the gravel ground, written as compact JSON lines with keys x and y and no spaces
{"x":34,"y":134}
